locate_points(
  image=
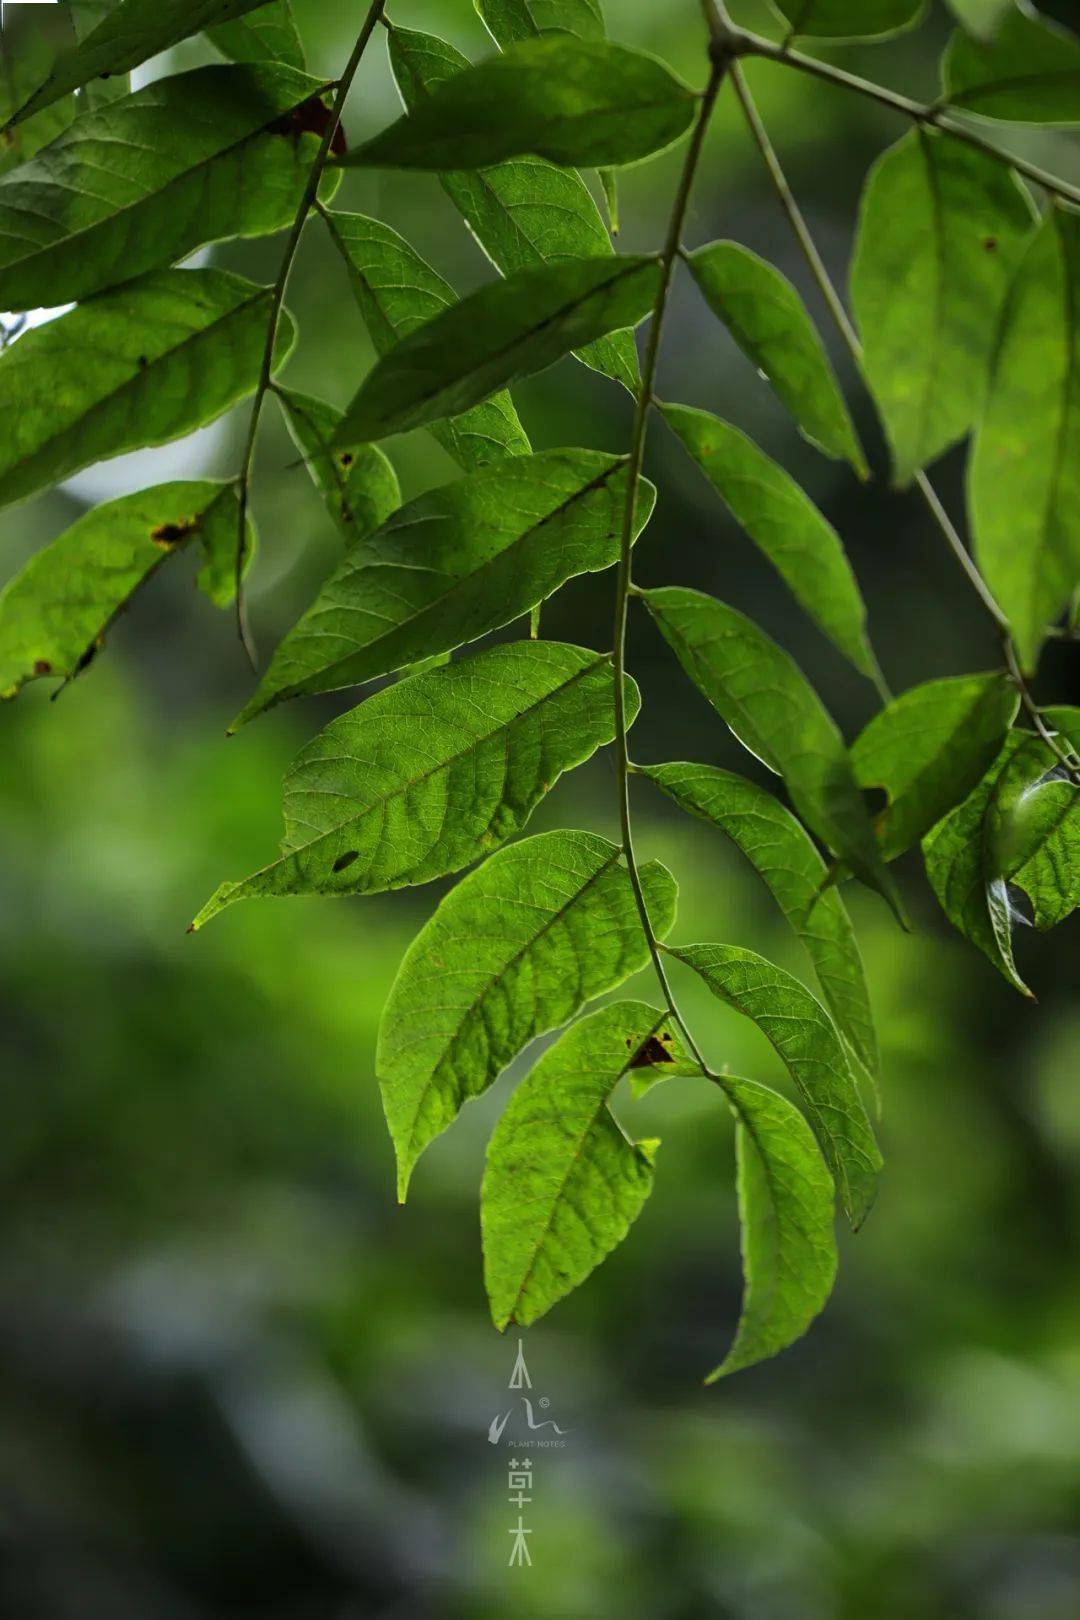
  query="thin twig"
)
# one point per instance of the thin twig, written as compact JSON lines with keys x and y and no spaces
{"x":623,"y":577}
{"x":1065,"y":756}
{"x":277,"y":302}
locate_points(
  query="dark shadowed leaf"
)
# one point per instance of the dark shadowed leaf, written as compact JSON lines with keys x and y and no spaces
{"x":458,"y":562}
{"x":358,"y":484}
{"x":941,"y":231}
{"x":20,"y":72}
{"x":434,"y":772}
{"x":516,"y":949}
{"x":770,"y":323}
{"x":131,"y":368}
{"x":849,"y":19}
{"x":1027,"y":71}
{"x":266,"y":35}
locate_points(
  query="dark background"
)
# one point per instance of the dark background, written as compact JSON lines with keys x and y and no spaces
{"x":235,"y":1378}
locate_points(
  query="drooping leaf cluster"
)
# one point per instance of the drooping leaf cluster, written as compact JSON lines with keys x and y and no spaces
{"x":965,"y":288}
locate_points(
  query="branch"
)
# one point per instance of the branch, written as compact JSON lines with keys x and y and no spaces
{"x":307,"y":201}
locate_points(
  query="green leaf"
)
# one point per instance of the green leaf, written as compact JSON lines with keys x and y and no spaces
{"x":786,"y":859}
{"x":508,"y":21}
{"x":572,"y":101}
{"x":781,"y":519}
{"x":980,"y":17}
{"x":55,"y":612}
{"x":929,"y":748}
{"x":1027,"y":73}
{"x":146,"y":180}
{"x":85,"y":16}
{"x":770,"y":323}
{"x":850,"y":19}
{"x":1024,"y":475}
{"x":358,"y":484}
{"x":515,"y":950}
{"x":786,"y":1212}
{"x":523,"y":212}
{"x":508,"y":329}
{"x":20,"y":71}
{"x":449,"y":567}
{"x":398,"y":291}
{"x":761,"y":693}
{"x":127,"y":36}
{"x":266,"y":35}
{"x":1031,"y":835}
{"x":562,"y":1182}
{"x":941,"y":231}
{"x":434,"y":772}
{"x":805,"y":1038}
{"x":136,"y":367}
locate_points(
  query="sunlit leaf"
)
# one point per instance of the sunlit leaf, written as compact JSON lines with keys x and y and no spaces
{"x":397,"y":291}
{"x":786,"y":859}
{"x":358,"y":484}
{"x":770,"y":323}
{"x":761,"y":693}
{"x":578,"y":102}
{"x":506,"y":330}
{"x":562,"y":1182}
{"x":458,"y":562}
{"x":786,"y":1212}
{"x":1024,"y":479}
{"x":434,"y":772}
{"x":523,"y":212}
{"x":516,"y":949}
{"x":980,"y":17}
{"x":941,"y":231}
{"x":782,"y":520}
{"x":929,"y":748}
{"x":1027,"y":72}
{"x":145,"y":180}
{"x":55,"y":612}
{"x":266,"y":35}
{"x":806,"y":1039}
{"x":139,"y":366}
{"x":849,"y":19}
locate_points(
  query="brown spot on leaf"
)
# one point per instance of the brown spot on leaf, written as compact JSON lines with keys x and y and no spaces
{"x":347,"y":859}
{"x":990,"y":244}
{"x":42,"y":666}
{"x":346,"y":458}
{"x":312,"y":117}
{"x":167,"y":535}
{"x":142,"y":362}
{"x":651,"y":1052}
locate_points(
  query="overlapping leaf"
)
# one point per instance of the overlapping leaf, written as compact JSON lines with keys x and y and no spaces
{"x":508,"y":329}
{"x":398,"y":291}
{"x":429,"y":775}
{"x":458,"y":562}
{"x":526,"y":211}
{"x":770,"y":323}
{"x":1024,"y":479}
{"x":20,"y":71}
{"x":145,"y":180}
{"x":1027,"y":71}
{"x":849,"y":19}
{"x":85,"y":16}
{"x":516,"y":949}
{"x":131,"y":368}
{"x":54,"y":613}
{"x":782,"y":520}
{"x":929,"y":748}
{"x":761,"y":693}
{"x":268,"y":34}
{"x":804,"y":1036}
{"x":562,"y":1182}
{"x":787,"y":860}
{"x":941,"y":230}
{"x":508,"y":21}
{"x":358,"y":484}
{"x":573,"y":101}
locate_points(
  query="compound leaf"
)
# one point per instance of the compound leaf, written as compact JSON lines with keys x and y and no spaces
{"x":761,"y":693}
{"x":785,"y":857}
{"x":508,"y":329}
{"x":781,"y":519}
{"x":806,"y":1039}
{"x":146,"y":180}
{"x":358,"y":484}
{"x":941,"y":230}
{"x":432,"y":773}
{"x":139,"y":366}
{"x":562,"y":1182}
{"x":1027,"y":72}
{"x":266,"y":35}
{"x":516,"y":949}
{"x":1024,"y":475}
{"x":56,"y":610}
{"x":398,"y":291}
{"x":929,"y":748}
{"x":849,"y":19}
{"x":786,"y":1212}
{"x":458,"y":562}
{"x":770,"y":323}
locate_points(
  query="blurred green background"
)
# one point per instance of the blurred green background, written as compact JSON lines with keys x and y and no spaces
{"x":235,"y":1378}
